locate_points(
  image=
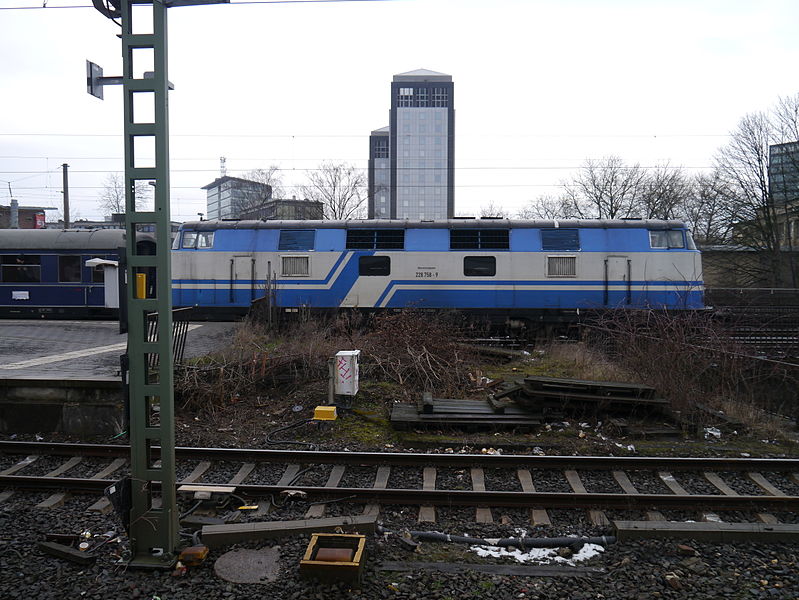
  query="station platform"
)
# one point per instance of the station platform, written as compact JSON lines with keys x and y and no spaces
{"x":83,"y":349}
{"x":64,"y":376}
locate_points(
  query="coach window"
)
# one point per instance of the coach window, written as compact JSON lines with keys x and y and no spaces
{"x":374,"y":266}
{"x":69,"y":269}
{"x":21,"y":268}
{"x":479,"y":266}
{"x":666,"y":238}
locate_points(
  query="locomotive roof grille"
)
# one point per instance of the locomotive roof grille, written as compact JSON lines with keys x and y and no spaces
{"x":479,"y":239}
{"x":376,"y":239}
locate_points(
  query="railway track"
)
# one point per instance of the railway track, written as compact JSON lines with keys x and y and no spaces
{"x":701,"y":486}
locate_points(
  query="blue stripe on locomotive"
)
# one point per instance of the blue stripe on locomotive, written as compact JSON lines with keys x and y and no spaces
{"x":554,"y":298}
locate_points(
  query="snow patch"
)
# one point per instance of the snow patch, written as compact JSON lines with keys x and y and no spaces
{"x":539,"y":555}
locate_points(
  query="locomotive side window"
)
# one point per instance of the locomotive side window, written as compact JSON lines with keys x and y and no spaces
{"x":479,"y":266}
{"x":479,"y":239}
{"x":560,"y":239}
{"x":69,"y":269}
{"x":666,"y":238}
{"x":291,"y":239}
{"x":295,"y":266}
{"x":374,"y":266}
{"x":561,"y":266}
{"x":21,"y":268}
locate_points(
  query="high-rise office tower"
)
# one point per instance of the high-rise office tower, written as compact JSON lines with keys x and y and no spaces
{"x":411,"y":162}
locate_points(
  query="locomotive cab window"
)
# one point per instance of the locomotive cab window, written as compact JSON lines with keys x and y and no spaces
{"x":201,"y":240}
{"x":69,"y":269}
{"x":666,"y":238}
{"x":205,"y":240}
{"x":479,"y":266}
{"x":189,"y":239}
{"x":370,"y":266}
{"x":20,"y":268}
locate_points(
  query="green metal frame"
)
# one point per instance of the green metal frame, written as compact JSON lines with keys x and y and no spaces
{"x":153,"y":524}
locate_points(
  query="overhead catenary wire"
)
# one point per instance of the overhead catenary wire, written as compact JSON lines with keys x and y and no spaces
{"x":232,"y":3}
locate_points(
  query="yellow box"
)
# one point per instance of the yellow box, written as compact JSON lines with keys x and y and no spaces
{"x":324,"y":413}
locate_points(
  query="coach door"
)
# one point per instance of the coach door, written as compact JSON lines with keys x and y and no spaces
{"x":242,"y":279}
{"x":618,"y":284}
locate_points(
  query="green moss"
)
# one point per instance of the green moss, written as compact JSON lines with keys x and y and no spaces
{"x":367,"y":424}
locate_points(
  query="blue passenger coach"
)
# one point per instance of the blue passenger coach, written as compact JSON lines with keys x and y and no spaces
{"x":483,"y":265}
{"x":43,"y":272}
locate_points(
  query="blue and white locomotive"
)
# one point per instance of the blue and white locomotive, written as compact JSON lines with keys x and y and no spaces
{"x":491,"y":266}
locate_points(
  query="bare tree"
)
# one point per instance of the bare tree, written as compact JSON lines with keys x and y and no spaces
{"x":545,"y":207}
{"x":743,"y":166}
{"x":604,"y":189}
{"x":493,"y":210}
{"x":706,"y":209}
{"x":112,"y":196}
{"x":271,"y":177}
{"x":786,"y":118}
{"x":256,"y":189}
{"x":663,"y":189}
{"x":340,"y":187}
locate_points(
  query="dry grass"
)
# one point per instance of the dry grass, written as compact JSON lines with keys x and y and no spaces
{"x":419,"y":351}
{"x":760,"y":424}
{"x":692,"y":361}
{"x":581,"y":361}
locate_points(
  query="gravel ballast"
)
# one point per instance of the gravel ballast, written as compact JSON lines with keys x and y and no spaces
{"x":634,"y":570}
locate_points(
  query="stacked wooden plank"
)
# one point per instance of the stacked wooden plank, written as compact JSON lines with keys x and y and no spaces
{"x":528,"y":402}
{"x":546,"y":394}
{"x":444,"y":412}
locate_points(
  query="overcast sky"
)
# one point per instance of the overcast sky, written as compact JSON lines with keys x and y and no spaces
{"x":539,"y":87}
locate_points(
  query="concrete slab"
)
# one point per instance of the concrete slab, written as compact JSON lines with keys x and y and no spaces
{"x":249,"y":566}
